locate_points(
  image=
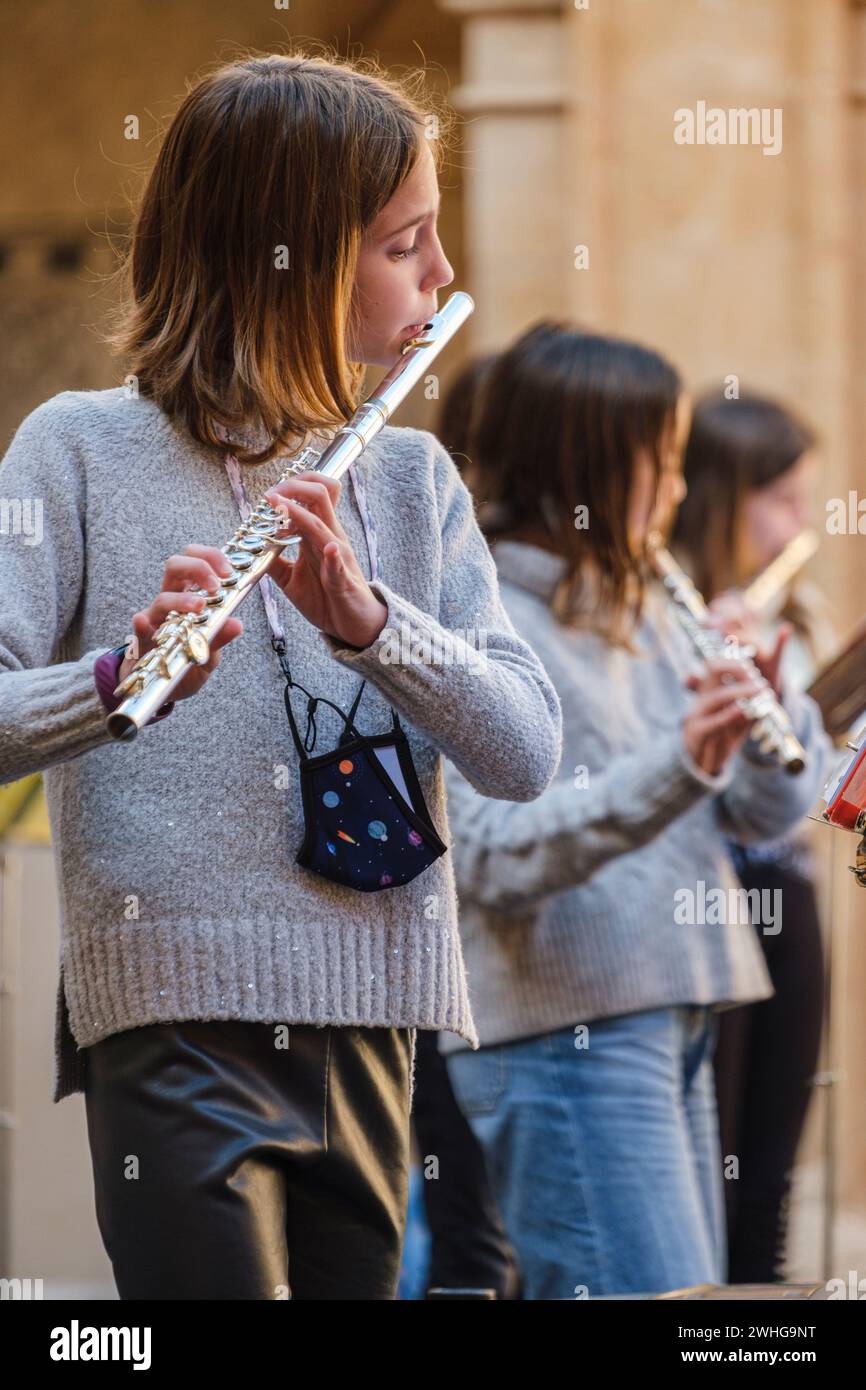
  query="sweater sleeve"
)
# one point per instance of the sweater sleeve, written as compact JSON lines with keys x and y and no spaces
{"x":507,"y":857}
{"x":49,"y":712}
{"x":477,"y":691}
{"x":763,"y":801}
{"x":106,"y":674}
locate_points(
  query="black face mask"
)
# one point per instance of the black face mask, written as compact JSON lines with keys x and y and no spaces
{"x":366,"y":822}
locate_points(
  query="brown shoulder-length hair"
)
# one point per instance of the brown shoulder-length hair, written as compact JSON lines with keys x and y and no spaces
{"x":237,"y":285}
{"x":562,"y":416}
{"x":734,"y":446}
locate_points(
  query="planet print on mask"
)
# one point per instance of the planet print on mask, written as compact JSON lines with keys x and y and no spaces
{"x":331,"y":799}
{"x":346,"y":766}
{"x":385,"y":880}
{"x":332,"y":849}
{"x":378,"y":829}
{"x":415,"y":838}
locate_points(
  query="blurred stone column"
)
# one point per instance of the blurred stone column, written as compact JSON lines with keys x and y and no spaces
{"x":511,"y":98}
{"x":732,"y":261}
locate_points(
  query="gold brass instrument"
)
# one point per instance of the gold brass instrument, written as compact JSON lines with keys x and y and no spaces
{"x":766,"y":589}
{"x":183,"y":639}
{"x":771,"y":728}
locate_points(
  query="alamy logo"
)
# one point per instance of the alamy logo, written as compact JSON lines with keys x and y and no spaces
{"x":409,"y":647}
{"x":846,"y":516}
{"x":22,"y":516}
{"x":855,"y":1288}
{"x":738,"y":126}
{"x":21,"y":1289}
{"x":76,"y":1343}
{"x":717,"y":907}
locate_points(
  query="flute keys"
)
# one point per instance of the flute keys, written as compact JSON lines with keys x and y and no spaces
{"x":239,"y":561}
{"x":252,"y":544}
{"x":763,"y":703}
{"x":133,"y":682}
{"x":196,"y":647}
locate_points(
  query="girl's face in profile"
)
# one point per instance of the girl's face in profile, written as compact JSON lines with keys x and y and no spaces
{"x":400,"y":267}
{"x":652,"y":508}
{"x":773,"y":515}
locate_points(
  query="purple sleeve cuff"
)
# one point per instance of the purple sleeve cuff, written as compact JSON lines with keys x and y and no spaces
{"x":105,"y":674}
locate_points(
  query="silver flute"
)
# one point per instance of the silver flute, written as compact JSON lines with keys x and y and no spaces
{"x":184,"y":639}
{"x":771,"y":729}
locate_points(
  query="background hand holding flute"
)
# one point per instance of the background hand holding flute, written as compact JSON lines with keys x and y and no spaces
{"x":716,"y":727}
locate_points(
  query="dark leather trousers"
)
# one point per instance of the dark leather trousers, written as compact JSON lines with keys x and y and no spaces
{"x":226,"y":1167}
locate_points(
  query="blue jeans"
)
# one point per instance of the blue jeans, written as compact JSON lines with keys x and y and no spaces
{"x":603,"y":1152}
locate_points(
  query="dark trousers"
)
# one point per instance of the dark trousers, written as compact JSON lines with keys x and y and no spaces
{"x":226,"y":1167}
{"x":468,"y":1244}
{"x":765,"y":1060}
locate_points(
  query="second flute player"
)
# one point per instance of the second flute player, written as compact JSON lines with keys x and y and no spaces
{"x":190,"y":936}
{"x":597,"y":969}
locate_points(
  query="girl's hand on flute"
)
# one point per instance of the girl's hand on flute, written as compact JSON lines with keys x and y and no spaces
{"x":715,"y":727}
{"x":731,"y":616}
{"x":200,"y":567}
{"x":769,"y":661}
{"x":325,"y":582}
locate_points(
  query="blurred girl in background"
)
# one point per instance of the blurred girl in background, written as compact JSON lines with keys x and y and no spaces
{"x":751,"y":468}
{"x":594,"y":970}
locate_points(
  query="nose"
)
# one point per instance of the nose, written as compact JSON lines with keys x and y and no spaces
{"x":448,"y":273}
{"x":441,"y":272}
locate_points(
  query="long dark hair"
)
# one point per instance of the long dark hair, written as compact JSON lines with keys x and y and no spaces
{"x":459,"y":407}
{"x":734,"y":446}
{"x":562,"y":417}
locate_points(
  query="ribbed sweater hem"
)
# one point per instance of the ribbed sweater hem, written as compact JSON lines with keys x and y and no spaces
{"x":117,"y":978}
{"x":599,"y":967}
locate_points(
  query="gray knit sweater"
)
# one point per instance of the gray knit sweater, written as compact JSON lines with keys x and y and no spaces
{"x":597,"y":898}
{"x":179,"y":894}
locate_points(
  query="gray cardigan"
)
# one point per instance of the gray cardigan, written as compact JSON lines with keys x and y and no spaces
{"x":593,"y":900}
{"x":179,"y":894}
